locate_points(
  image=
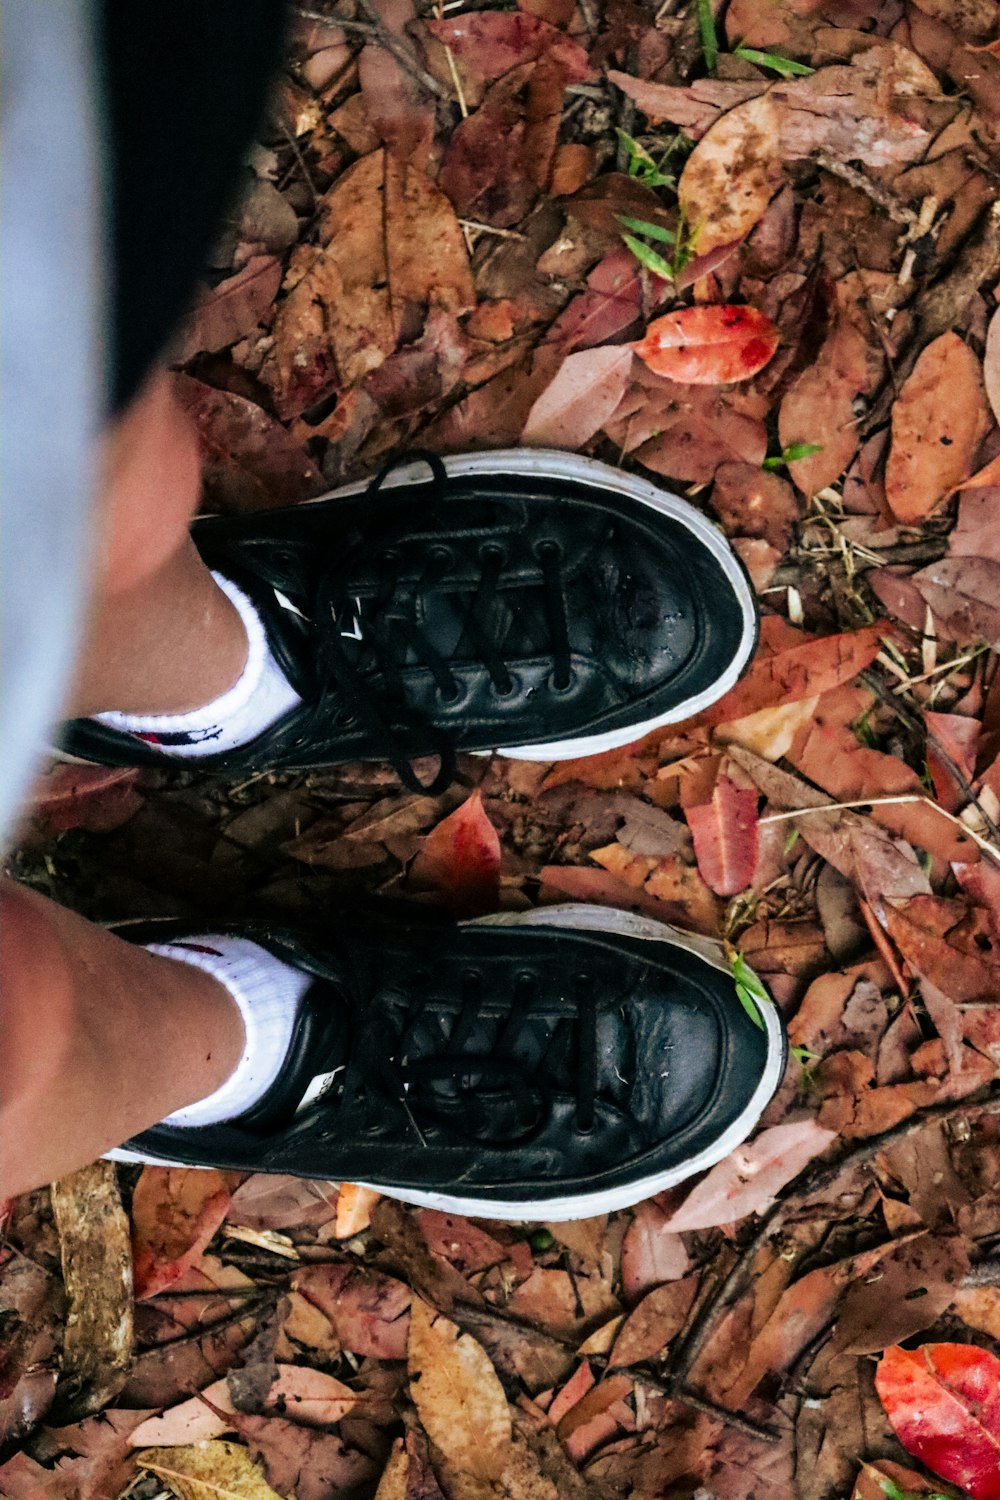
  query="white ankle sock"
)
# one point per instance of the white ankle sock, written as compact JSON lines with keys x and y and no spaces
{"x":268,"y":993}
{"x":262,"y":695}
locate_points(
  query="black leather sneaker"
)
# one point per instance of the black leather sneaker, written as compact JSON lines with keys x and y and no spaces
{"x":550,"y":1064}
{"x":530,"y":602}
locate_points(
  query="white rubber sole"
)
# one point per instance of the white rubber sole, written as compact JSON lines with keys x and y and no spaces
{"x":583,"y":1205}
{"x":552,"y":463}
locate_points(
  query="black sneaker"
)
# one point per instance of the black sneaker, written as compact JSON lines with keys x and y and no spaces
{"x":551,"y":1064}
{"x":530,"y":602}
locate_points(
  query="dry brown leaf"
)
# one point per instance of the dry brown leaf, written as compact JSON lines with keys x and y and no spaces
{"x":938,"y":421}
{"x":209,"y":1471}
{"x":458,"y":1397}
{"x":820,"y":406}
{"x":732,"y":174}
{"x":964,"y":593}
{"x":991,"y":364}
{"x":428,"y":262}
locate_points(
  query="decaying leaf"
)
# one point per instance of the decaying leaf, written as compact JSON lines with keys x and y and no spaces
{"x":209,"y":1471}
{"x":582,"y":397}
{"x":175,"y":1212}
{"x":732,"y":174}
{"x":458,"y":1397}
{"x":460,"y":861}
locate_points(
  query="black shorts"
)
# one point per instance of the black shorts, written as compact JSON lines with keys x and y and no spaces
{"x":185,"y":84}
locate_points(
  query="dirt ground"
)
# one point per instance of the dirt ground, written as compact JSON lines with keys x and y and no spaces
{"x":455,"y":225}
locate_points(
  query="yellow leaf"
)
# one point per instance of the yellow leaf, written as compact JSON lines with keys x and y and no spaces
{"x":458,"y":1397}
{"x":770,"y":731}
{"x":209,"y":1471}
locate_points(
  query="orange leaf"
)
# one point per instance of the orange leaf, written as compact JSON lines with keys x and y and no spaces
{"x":354,"y":1209}
{"x":938,"y":420}
{"x":725,"y":837}
{"x":175,"y":1213}
{"x":943,"y":1401}
{"x":460,"y":861}
{"x":709,"y":345}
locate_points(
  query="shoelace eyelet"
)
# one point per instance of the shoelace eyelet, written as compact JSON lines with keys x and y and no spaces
{"x":548,"y":548}
{"x":554,"y":686}
{"x":507,"y":692}
{"x":449,"y":699}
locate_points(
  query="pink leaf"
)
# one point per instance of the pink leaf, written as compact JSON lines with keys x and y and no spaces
{"x":175,"y":1213}
{"x":582,"y":397}
{"x":460,"y":860}
{"x":651,"y":1253}
{"x":747,"y":1182}
{"x":488,"y":43}
{"x":725,"y":837}
{"x":710,"y":345}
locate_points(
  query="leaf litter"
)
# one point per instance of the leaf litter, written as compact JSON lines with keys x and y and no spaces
{"x":752,"y":255}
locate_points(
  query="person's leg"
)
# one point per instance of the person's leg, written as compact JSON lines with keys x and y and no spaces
{"x":99,"y":1039}
{"x":162,"y":636}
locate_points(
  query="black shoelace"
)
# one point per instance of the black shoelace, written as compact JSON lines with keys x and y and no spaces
{"x":494,"y":1095}
{"x":371,"y":679}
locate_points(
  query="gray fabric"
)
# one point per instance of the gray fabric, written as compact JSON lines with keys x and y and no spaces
{"x":51,"y":365}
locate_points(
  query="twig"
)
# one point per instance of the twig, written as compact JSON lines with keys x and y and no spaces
{"x":477,"y":228}
{"x":701,"y":1403}
{"x":377,"y":31}
{"x":897,"y":211}
{"x":824,"y":1176}
{"x":801,"y":812}
{"x":986,"y":1273}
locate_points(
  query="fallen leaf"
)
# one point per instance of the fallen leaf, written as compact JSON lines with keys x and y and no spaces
{"x":585,"y":392}
{"x":751,"y":502}
{"x":725,"y":837}
{"x":251,"y":461}
{"x":268,"y":1200}
{"x":916,"y":1285}
{"x":191,"y":1421}
{"x":820,"y":406}
{"x":709,"y":345}
{"x":732,"y":174}
{"x":175,"y":1213}
{"x":208,"y":1471}
{"x":651,"y":1253}
{"x":943,"y":1401}
{"x":952,"y":742}
{"x":460,"y":861}
{"x":369,"y":1311}
{"x":938,"y":421}
{"x":100,"y":798}
{"x":694,"y":108}
{"x":924,"y":930}
{"x":428,"y":263}
{"x":747,"y":1181}
{"x":458,"y":1397}
{"x":488,"y":43}
{"x":354,"y":1208}
{"x":650,"y":1327}
{"x":309,"y":1396}
{"x":400,"y":109}
{"x":798,"y":671}
{"x":964,"y":593}
{"x":230,"y":311}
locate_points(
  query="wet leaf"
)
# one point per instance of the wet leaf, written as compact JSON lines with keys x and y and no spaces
{"x":938,"y":421}
{"x":725,"y":837}
{"x":943,"y":1401}
{"x":709,"y":345}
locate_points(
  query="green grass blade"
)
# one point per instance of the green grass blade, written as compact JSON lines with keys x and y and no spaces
{"x":706,"y":30}
{"x":649,"y":257}
{"x":651,"y":231}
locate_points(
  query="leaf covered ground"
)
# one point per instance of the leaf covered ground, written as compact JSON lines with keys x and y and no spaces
{"x":456,"y":224}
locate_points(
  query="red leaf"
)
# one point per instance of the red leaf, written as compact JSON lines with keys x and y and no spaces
{"x":100,"y":798}
{"x":460,"y":860}
{"x":958,"y":737}
{"x":175,"y":1213}
{"x":943,"y":1401}
{"x":709,"y":345}
{"x":488,"y":43}
{"x":725,"y":837}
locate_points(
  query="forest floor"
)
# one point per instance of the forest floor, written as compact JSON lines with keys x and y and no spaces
{"x":456,"y":224}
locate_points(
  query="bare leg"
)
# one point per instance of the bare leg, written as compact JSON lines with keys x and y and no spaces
{"x":162,"y":636}
{"x":98,"y":1039}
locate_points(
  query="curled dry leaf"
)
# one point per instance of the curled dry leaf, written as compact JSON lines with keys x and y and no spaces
{"x":938,"y":422}
{"x":582,"y":397}
{"x":747,"y":1181}
{"x":709,"y":345}
{"x":732,"y":174}
{"x":458,"y":1397}
{"x":725,"y":837}
{"x":943,"y":1401}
